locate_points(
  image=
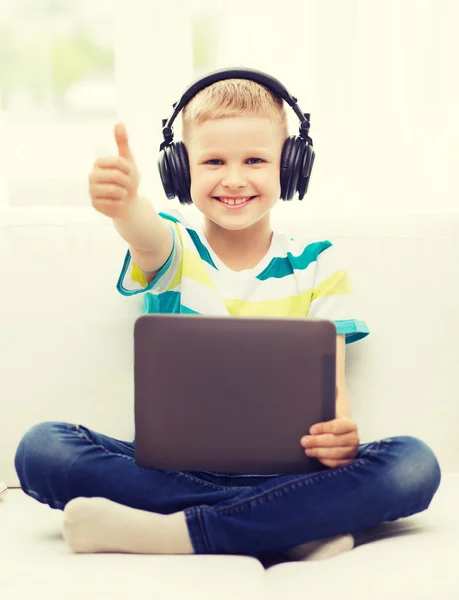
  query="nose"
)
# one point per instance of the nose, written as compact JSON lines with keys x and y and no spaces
{"x":233,"y":178}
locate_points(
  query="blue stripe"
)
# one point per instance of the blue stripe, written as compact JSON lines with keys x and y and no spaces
{"x":353,"y":329}
{"x":184,"y":310}
{"x":166,"y":303}
{"x":282,"y":266}
{"x":169,"y":217}
{"x":202,"y":250}
{"x":120,"y":287}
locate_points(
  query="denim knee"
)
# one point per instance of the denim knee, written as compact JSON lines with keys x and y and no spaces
{"x":416,"y":472}
{"x":42,"y":456}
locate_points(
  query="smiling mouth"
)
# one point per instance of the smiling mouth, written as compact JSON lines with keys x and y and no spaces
{"x":235,"y":201}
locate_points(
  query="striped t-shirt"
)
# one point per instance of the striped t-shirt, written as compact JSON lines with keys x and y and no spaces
{"x":296,"y":278}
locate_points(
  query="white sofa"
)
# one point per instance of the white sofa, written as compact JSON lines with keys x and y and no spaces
{"x":67,"y":354}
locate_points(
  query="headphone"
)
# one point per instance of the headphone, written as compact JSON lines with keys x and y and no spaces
{"x":297,"y":153}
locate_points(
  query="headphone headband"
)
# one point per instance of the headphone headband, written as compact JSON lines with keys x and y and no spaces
{"x":264,"y":79}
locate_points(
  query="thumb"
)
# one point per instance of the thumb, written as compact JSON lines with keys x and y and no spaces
{"x":122,"y":142}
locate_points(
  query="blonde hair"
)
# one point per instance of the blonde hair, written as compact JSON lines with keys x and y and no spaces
{"x":234,"y":98}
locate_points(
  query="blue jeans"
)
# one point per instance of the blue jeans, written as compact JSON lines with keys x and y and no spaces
{"x":233,"y":514}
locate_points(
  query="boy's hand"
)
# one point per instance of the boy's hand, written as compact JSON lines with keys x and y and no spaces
{"x":334,"y":443}
{"x":114,"y":180}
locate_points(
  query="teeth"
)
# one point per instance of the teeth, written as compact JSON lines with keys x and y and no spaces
{"x":238,"y":201}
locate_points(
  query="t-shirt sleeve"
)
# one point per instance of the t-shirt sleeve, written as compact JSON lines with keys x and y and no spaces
{"x":333,"y":297}
{"x":132,"y":280}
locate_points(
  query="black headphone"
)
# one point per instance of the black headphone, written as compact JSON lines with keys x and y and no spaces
{"x":297,"y":154}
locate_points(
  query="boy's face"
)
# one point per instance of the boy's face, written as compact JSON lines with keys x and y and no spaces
{"x":235,"y":157}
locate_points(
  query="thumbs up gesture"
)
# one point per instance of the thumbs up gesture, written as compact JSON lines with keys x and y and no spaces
{"x":114,"y":180}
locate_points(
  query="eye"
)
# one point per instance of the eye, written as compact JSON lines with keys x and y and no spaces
{"x":216,"y":161}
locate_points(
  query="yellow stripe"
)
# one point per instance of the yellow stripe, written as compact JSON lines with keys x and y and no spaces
{"x":338,"y":283}
{"x":291,"y":306}
{"x":193,"y":268}
{"x":178,"y":273}
{"x":138,"y":276}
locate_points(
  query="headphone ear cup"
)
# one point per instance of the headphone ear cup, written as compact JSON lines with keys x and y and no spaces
{"x":291,"y":163}
{"x":174,"y":171}
{"x":285,"y":172}
{"x":296,"y":167}
{"x":305,"y":173}
{"x":167,"y":177}
{"x":296,"y":162}
{"x":183,"y":174}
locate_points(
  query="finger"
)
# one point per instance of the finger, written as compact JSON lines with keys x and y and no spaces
{"x":115,"y":192}
{"x":328,"y":440}
{"x":332,"y":463}
{"x":115,"y":176}
{"x":337,"y":453}
{"x":122,"y":142}
{"x":113,"y":162}
{"x":336,"y":426}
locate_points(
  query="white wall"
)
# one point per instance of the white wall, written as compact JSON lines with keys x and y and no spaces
{"x":380,"y":81}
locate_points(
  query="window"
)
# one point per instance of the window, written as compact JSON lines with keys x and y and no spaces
{"x":58,"y":92}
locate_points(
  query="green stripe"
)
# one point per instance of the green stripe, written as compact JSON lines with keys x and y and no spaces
{"x":169,"y":217}
{"x":281,"y":267}
{"x":165,"y":303}
{"x":353,"y":329}
{"x":202,"y":250}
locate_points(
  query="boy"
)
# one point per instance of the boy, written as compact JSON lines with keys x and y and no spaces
{"x":234,"y":132}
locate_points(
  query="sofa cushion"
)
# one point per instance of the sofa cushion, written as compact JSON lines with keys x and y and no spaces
{"x":409,"y":559}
